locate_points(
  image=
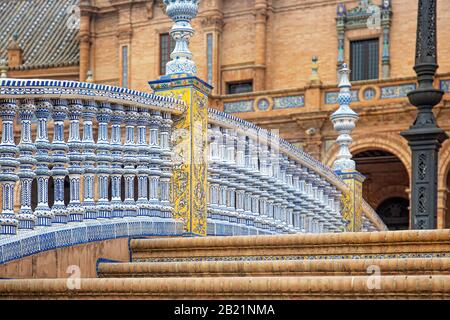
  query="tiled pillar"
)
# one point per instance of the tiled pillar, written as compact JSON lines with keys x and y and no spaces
{"x":189,"y":173}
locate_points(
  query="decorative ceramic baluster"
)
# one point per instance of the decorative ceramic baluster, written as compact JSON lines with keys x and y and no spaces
{"x":103,"y":161}
{"x":210,"y":147}
{"x":247,"y":181}
{"x":297,"y":195}
{"x":264,"y":178}
{"x":75,"y":208}
{"x":318,"y":219}
{"x":60,"y":159}
{"x":337,"y":209}
{"x":222,"y":180}
{"x":143,"y":165}
{"x":8,"y":163}
{"x":214,"y":170}
{"x":166,"y":154}
{"x":117,"y":160}
{"x":228,"y":166}
{"x":155,"y":163}
{"x":320,"y":212}
{"x":89,"y":146}
{"x":129,"y":157}
{"x":27,"y":161}
{"x":278,"y":192}
{"x":290,"y":169}
{"x":254,"y":165}
{"x":240,"y":168}
{"x":43,"y":213}
{"x":331,"y":220}
{"x":271,"y":189}
{"x":232,"y":181}
{"x":282,"y":193}
{"x":308,"y":203}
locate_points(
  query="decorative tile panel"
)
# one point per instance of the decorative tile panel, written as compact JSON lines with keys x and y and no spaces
{"x":288,"y":102}
{"x":332,"y":97}
{"x":400,"y":91}
{"x":209,"y":57}
{"x":445,"y":85}
{"x":369,"y":94}
{"x":263,"y":104}
{"x":238,"y":106}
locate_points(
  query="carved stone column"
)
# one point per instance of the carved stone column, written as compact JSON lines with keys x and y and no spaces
{"x":260,"y":44}
{"x":85,"y":37}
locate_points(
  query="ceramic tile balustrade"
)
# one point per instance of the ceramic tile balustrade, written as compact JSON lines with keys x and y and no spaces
{"x":108,"y":166}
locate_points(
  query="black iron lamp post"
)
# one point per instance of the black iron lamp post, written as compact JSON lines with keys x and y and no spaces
{"x":424,"y":136}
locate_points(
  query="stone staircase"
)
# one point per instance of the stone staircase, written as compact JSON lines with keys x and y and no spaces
{"x":379,"y":265}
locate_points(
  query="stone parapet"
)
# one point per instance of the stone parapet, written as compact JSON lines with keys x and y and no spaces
{"x":332,"y":267}
{"x":385,"y":244}
{"x":348,"y":287}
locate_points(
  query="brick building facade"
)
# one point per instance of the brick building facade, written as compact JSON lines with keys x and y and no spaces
{"x":258,"y":56}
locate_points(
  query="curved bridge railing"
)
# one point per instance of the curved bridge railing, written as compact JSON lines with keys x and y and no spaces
{"x":84,"y":162}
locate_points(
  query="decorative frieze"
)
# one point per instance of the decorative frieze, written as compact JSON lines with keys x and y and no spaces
{"x":238,"y":106}
{"x":332,"y":97}
{"x":398,"y":91}
{"x":288,"y":102}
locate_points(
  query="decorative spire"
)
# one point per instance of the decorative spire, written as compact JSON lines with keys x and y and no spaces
{"x":181,"y":12}
{"x":344,"y":120}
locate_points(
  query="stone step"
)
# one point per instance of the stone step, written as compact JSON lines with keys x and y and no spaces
{"x":344,"y":267}
{"x":318,"y":287}
{"x":382,"y":245}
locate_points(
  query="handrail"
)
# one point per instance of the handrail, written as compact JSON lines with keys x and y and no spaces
{"x":62,"y":89}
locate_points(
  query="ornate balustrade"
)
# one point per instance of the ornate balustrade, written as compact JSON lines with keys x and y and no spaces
{"x":73,"y":112}
{"x":256,"y":178}
{"x":97,"y":160}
